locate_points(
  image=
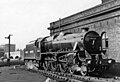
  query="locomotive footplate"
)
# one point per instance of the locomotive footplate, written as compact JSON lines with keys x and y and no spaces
{"x":62,"y":52}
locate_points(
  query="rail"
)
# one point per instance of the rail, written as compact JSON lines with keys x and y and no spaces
{"x":67,"y":77}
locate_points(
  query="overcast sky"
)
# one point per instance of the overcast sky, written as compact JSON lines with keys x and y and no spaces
{"x":29,"y":19}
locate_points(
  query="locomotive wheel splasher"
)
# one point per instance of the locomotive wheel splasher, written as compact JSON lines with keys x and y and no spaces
{"x":83,"y":70}
{"x":75,"y":69}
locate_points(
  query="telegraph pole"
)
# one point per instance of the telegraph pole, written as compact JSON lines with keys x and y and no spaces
{"x":8,"y":60}
{"x":59,"y":25}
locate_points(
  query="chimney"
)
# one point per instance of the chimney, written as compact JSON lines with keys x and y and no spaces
{"x":104,"y":1}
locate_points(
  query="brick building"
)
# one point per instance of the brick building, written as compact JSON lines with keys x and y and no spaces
{"x":14,"y":55}
{"x":101,"y":18}
{"x":1,"y":52}
{"x":6,"y":47}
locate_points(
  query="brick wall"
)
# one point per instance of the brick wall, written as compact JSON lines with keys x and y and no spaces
{"x":112,"y":27}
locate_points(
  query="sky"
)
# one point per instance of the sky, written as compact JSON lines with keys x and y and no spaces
{"x":27,"y":20}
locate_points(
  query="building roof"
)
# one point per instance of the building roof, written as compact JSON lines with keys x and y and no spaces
{"x":94,"y":11}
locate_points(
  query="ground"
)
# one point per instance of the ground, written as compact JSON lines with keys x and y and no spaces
{"x":12,"y":74}
{"x":9,"y":74}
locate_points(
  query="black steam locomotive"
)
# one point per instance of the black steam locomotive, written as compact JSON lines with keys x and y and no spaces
{"x":82,"y":53}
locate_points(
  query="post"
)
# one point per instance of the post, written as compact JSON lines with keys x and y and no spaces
{"x":9,"y":52}
{"x":8,"y":49}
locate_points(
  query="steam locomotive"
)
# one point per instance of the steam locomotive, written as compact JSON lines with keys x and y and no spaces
{"x":82,"y":53}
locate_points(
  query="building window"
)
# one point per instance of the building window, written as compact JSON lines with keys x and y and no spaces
{"x":104,"y":40}
{"x":11,"y":57}
{"x":31,"y":51}
{"x":26,"y":52}
{"x":16,"y":57}
{"x":85,"y":29}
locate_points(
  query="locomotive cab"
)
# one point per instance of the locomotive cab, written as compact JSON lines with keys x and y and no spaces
{"x":38,"y":48}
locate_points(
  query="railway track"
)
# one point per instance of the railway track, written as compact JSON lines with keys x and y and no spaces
{"x":67,"y":77}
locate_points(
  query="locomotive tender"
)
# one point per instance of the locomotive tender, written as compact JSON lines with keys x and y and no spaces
{"x":82,"y":53}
